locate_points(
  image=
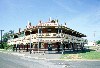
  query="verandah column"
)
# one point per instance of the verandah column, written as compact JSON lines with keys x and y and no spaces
{"x":77,"y":46}
{"x":62,"y":40}
{"x":68,"y":44}
{"x":16,"y":47}
{"x":30,"y":41}
{"x":81,"y":46}
{"x":19,"y":46}
{"x":24,"y":47}
{"x":27,"y":47}
{"x":73,"y":46}
{"x":64,"y":46}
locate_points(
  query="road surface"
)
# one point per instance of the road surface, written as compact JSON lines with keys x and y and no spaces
{"x":13,"y":61}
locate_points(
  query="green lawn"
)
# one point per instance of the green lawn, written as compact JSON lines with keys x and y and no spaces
{"x":87,"y":55}
{"x":90,"y":55}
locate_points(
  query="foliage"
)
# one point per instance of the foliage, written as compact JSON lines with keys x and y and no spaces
{"x":98,"y":42}
{"x":4,"y":44}
{"x":5,"y":38}
{"x":9,"y":47}
{"x":6,"y":35}
{"x":0,"y":46}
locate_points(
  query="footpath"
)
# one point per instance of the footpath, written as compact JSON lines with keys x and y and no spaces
{"x":36,"y":55}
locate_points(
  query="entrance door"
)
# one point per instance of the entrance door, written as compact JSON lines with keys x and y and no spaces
{"x":49,"y":47}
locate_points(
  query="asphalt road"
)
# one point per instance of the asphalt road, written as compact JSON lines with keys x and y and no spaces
{"x":12,"y":61}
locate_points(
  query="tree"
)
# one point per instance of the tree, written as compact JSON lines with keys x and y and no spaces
{"x":6,"y":36}
{"x":11,"y":31}
{"x":98,"y":42}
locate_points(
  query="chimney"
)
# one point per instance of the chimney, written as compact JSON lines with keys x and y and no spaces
{"x":65,"y":24}
{"x":26,"y":26}
{"x":50,"y":19}
{"x":57,"y":20}
{"x":40,"y":21}
{"x":29,"y":23}
{"x":19,"y":30}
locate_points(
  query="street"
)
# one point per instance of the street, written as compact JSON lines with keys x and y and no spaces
{"x":13,"y":61}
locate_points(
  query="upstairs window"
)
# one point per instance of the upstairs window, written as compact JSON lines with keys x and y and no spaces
{"x":49,"y":29}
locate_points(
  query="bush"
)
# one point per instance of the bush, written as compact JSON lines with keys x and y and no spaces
{"x":9,"y":47}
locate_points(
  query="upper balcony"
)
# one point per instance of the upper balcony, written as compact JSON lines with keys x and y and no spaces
{"x":50,"y":35}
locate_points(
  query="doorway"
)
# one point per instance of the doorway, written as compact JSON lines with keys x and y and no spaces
{"x":49,"y":47}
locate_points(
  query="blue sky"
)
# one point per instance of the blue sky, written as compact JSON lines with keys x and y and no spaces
{"x":80,"y":15}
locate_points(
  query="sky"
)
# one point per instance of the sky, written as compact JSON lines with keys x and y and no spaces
{"x":80,"y":15}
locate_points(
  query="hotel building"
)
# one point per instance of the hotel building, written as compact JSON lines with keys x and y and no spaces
{"x":48,"y":36}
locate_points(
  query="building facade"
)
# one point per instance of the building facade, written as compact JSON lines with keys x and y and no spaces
{"x":48,"y":36}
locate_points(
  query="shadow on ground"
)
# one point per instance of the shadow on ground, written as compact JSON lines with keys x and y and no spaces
{"x":72,"y":52}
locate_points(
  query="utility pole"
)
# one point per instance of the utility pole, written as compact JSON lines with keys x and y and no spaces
{"x":94,"y":38}
{"x":1,"y":38}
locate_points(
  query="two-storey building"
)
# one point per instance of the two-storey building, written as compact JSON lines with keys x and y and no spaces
{"x":48,"y":36}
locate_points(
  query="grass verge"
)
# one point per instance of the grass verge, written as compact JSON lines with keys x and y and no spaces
{"x":90,"y":55}
{"x":87,"y":55}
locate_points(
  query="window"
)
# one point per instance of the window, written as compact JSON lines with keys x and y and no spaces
{"x":40,"y":30}
{"x":59,"y":30}
{"x":39,"y":45}
{"x":47,"y":34}
{"x":54,"y":34}
{"x":35,"y":46}
{"x":49,"y":29}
